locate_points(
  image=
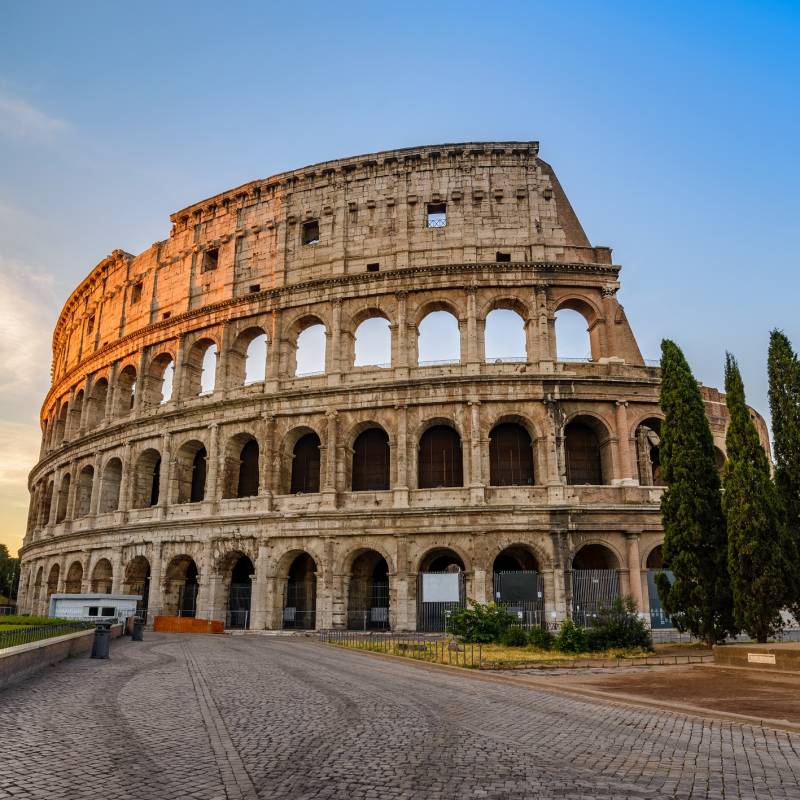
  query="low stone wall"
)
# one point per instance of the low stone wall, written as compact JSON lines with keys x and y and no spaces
{"x":783,"y":657}
{"x":186,"y":625}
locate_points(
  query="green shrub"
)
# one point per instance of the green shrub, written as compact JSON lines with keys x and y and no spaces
{"x":514,"y":636}
{"x":618,"y":626}
{"x":571,"y":638}
{"x":480,"y":622}
{"x":540,"y":637}
{"x":29,"y":619}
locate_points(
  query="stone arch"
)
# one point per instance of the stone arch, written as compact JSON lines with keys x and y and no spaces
{"x":199,"y":367}
{"x":591,"y":316}
{"x":506,"y":541}
{"x":300,"y":591}
{"x":125,"y":394}
{"x":37,"y":585}
{"x":594,"y":579}
{"x":368,"y":599}
{"x":440,"y":457}
{"x":654,"y":557}
{"x":301,"y":448}
{"x":102,"y":576}
{"x":370,"y":343}
{"x":516,"y":557}
{"x":442,"y":558}
{"x":720,"y":458}
{"x":506,"y":302}
{"x":83,"y":491}
{"x":181,"y":585}
{"x":190,"y":472}
{"x":137,"y":580}
{"x":504,"y":336}
{"x":587,"y":450}
{"x":158,"y":388}
{"x":237,"y":570}
{"x":75,"y":413}
{"x":596,"y":555}
{"x":52,"y":580}
{"x":96,"y":403}
{"x":242,"y":471}
{"x":249,"y":347}
{"x":648,"y":451}
{"x":63,"y":497}
{"x":370,"y":456}
{"x":60,"y":429}
{"x":147,"y":479}
{"x":74,"y":580}
{"x":439,"y":334}
{"x":511,"y":455}
{"x":47,"y":503}
{"x":310,"y":350}
{"x":110,"y":486}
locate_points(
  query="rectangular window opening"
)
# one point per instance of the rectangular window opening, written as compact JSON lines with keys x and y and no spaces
{"x":373,"y":267}
{"x":90,"y":324}
{"x":136,"y":293}
{"x":166,"y":315}
{"x":437,"y":215}
{"x":256,"y":287}
{"x":310,"y":232}
{"x":93,"y":611}
{"x":210,"y":259}
{"x":108,"y":611}
{"x":502,"y":257}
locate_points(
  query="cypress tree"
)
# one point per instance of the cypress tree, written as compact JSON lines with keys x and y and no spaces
{"x":695,"y":544}
{"x":756,"y":561}
{"x":784,"y":404}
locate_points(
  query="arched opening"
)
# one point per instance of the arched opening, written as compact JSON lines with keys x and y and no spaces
{"x":241,"y":467}
{"x":371,"y":461}
{"x":75,"y":413}
{"x":239,"y":593}
{"x":37,"y":586}
{"x":158,"y":381}
{"x":655,"y":565}
{"x":648,"y":454}
{"x":60,"y":431}
{"x":373,"y":343}
{"x":102,"y":576}
{"x":572,"y":336}
{"x":126,"y":391}
{"x":63,"y":498}
{"x":441,"y":588}
{"x":74,"y":581}
{"x":109,"y":486}
{"x":44,"y":513}
{"x":310,"y":351}
{"x":595,"y":581}
{"x":438,"y":339}
{"x":200,"y":368}
{"x":96,"y":404}
{"x":52,"y":580}
{"x":519,"y":585}
{"x":583,"y":453}
{"x":306,"y":465}
{"x":180,"y":587}
{"x":137,"y":581}
{"x":504,"y":337}
{"x":719,"y":459}
{"x":300,"y":597}
{"x":190,"y":472}
{"x":83,"y":491}
{"x":510,"y":455}
{"x":368,"y":593}
{"x":247,"y":358}
{"x":439,"y":463}
{"x":147,"y":479}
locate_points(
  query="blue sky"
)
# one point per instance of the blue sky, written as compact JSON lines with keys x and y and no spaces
{"x":673,"y":128}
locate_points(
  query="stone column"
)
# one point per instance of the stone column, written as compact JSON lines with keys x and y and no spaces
{"x":221,"y":370}
{"x":53,"y":510}
{"x":329,"y":490}
{"x":96,"y":484}
{"x":275,"y":348}
{"x":635,"y":569}
{"x":126,"y":481}
{"x":333,"y":349}
{"x":167,"y":473}
{"x":267,"y":449}
{"x":116,"y":571}
{"x":111,"y":396}
{"x":212,"y":460}
{"x":87,"y":386}
{"x":140,"y":377}
{"x":401,"y":458}
{"x":155,"y":601}
{"x":177,"y":374}
{"x":400,"y":340}
{"x":626,"y":475}
{"x":260,"y":586}
{"x":73,"y":491}
{"x":477,"y":488}
{"x":562,"y":572}
{"x":471,"y":359}
{"x":609,"y":314}
{"x":547,"y":343}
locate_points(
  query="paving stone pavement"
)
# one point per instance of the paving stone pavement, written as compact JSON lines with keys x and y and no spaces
{"x":260,"y":717}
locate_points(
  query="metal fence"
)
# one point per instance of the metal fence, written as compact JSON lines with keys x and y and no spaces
{"x":433,"y":649}
{"x":434,"y":616}
{"x":521,"y":593}
{"x":34,"y":633}
{"x":592,"y":590}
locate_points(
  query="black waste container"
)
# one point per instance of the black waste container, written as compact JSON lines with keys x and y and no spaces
{"x":102,"y":640}
{"x":138,"y":629}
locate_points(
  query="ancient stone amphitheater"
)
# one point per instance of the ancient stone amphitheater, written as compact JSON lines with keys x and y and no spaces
{"x":193,"y":454}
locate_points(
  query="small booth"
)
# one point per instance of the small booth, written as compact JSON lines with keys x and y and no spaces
{"x":93,"y":606}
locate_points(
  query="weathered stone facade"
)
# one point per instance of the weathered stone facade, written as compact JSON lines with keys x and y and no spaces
{"x":128,"y":486}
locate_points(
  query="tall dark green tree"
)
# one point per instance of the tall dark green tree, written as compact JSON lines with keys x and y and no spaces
{"x":695,"y":543}
{"x":756,"y":558}
{"x":784,"y":404}
{"x":9,"y":573}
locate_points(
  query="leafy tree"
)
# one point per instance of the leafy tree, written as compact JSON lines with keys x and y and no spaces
{"x":695,"y":542}
{"x":618,"y":626}
{"x":784,"y":404}
{"x":9,"y":573}
{"x":756,"y":558}
{"x":480,"y":622}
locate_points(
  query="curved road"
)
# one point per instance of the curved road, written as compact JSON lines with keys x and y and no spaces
{"x":267,"y":717}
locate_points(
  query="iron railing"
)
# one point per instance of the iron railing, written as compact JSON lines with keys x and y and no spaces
{"x":443,"y":363}
{"x":436,"y":221}
{"x":34,"y":633}
{"x":508,"y":360}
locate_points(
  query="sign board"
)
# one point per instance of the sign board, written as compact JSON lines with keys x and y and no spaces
{"x":761,"y":658}
{"x":441,"y":587}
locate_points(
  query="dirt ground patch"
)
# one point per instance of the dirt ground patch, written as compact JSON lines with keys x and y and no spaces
{"x":758,"y":694}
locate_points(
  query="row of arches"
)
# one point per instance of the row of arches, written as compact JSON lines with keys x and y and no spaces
{"x":439,"y":340}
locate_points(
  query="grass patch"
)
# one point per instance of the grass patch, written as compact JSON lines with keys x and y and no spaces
{"x":31,"y":620}
{"x":499,"y":656}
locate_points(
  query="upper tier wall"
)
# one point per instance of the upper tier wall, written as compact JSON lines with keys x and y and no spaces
{"x":500,"y":197}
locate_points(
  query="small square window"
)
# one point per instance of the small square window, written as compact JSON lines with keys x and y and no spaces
{"x":108,"y":611}
{"x":210,"y":259}
{"x":136,"y":293}
{"x":502,"y":257}
{"x":93,"y":611}
{"x":166,"y":315}
{"x":373,"y":267}
{"x":437,"y":215}
{"x":310,"y":232}
{"x":90,"y":324}
{"x":256,"y":287}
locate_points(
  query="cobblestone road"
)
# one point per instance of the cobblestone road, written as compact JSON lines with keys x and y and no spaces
{"x":246,"y":717}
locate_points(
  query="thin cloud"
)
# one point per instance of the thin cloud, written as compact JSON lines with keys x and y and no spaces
{"x":19,"y":119}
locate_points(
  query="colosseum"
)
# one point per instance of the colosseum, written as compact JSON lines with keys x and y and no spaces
{"x":194,"y":454}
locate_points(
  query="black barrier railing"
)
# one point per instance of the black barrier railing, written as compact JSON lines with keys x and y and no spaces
{"x":35,"y":633}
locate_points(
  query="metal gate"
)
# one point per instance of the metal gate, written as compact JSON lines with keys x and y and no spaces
{"x":187,"y":600}
{"x":438,"y":595}
{"x":522,"y":594}
{"x":238,"y":615}
{"x":299,"y":607}
{"x":658,"y":616}
{"x":368,"y":604}
{"x":592,"y":589}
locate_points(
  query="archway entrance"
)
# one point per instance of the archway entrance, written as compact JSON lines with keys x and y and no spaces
{"x":300,"y":595}
{"x":655,"y":564}
{"x":181,"y":586}
{"x":595,"y":581}
{"x":441,"y":589}
{"x":518,"y":585}
{"x":137,"y":581}
{"x":239,"y":594}
{"x":368,"y":594}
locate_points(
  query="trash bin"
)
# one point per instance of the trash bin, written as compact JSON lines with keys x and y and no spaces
{"x":138,"y":629}
{"x":102,"y":640}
